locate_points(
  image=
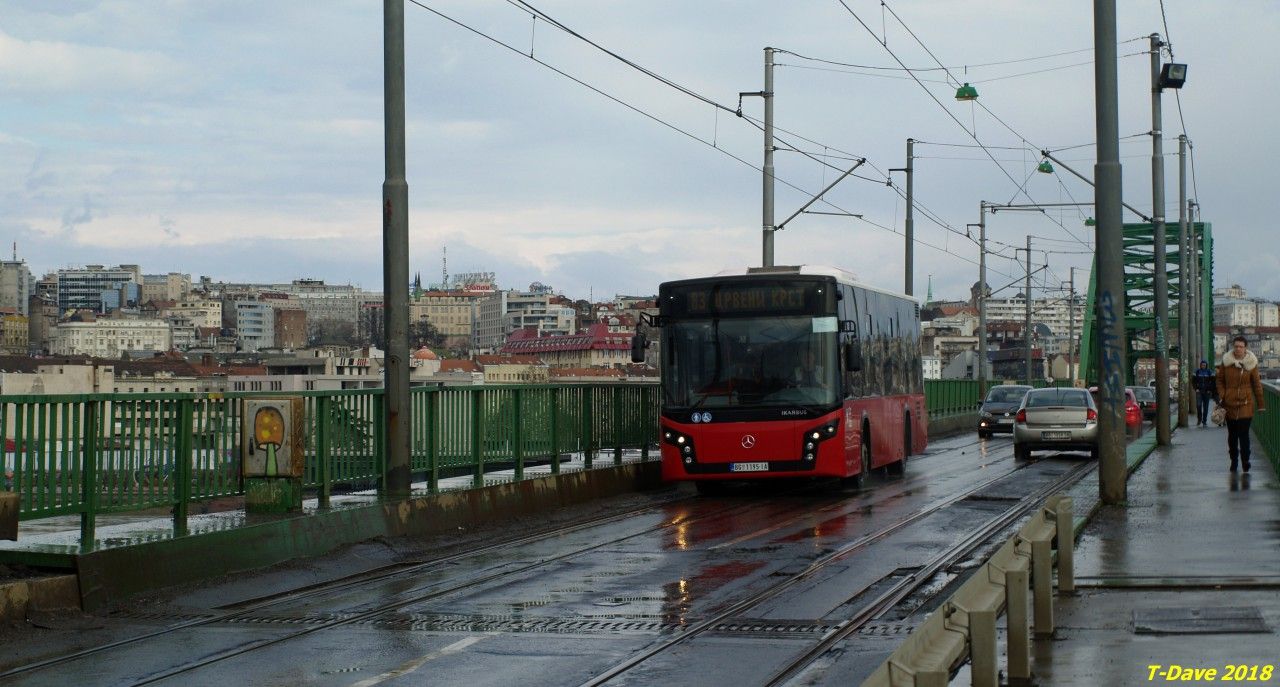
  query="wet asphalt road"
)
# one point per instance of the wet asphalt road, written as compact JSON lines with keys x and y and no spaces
{"x":565,"y":609}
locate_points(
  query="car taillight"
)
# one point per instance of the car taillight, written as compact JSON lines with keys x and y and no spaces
{"x":1091,"y":414}
{"x":1022,"y":417}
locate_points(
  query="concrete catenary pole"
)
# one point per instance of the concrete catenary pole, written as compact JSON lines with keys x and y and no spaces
{"x":982,"y":299}
{"x":1197,"y":283}
{"x":910,"y":227}
{"x":1163,"y":430}
{"x":1109,"y":247}
{"x":1186,"y":363}
{"x":395,"y":259}
{"x":768,"y":158}
{"x":1026,"y":324}
{"x":1072,"y":351}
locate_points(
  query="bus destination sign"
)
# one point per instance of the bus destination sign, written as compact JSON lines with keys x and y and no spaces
{"x":743,"y":298}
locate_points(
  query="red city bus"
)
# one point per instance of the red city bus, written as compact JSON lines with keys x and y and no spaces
{"x":786,"y":372}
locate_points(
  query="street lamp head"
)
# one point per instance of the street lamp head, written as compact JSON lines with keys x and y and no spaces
{"x":1045,"y":167}
{"x":1172,"y":75}
{"x":1090,"y":222}
{"x":966,"y":92}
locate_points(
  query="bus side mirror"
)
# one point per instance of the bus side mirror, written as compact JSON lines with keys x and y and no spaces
{"x":638,"y":344}
{"x":853,"y":356}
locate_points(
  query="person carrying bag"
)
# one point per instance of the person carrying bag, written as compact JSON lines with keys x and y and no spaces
{"x":1239,"y":393}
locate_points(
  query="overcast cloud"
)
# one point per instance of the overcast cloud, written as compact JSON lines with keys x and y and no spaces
{"x":243,"y":140}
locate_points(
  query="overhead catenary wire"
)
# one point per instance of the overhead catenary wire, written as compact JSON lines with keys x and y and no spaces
{"x":903,"y":68}
{"x":669,"y":125}
{"x":986,"y":109}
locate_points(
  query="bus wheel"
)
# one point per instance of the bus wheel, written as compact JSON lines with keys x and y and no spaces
{"x":900,"y":467}
{"x":860,"y":479}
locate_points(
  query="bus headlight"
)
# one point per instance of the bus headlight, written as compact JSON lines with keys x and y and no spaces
{"x":682,"y":443}
{"x":815,"y":436}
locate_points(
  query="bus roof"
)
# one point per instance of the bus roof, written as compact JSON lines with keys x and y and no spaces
{"x":842,"y":276}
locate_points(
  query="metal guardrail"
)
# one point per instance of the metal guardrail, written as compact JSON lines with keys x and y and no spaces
{"x":965,"y":625}
{"x":1267,"y":425}
{"x":943,"y":397}
{"x":109,"y":453}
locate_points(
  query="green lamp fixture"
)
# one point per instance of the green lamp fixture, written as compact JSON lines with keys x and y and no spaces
{"x":1090,"y":222}
{"x":1045,"y":167}
{"x":966,"y":92}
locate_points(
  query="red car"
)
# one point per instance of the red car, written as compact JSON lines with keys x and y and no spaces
{"x":1132,"y":411}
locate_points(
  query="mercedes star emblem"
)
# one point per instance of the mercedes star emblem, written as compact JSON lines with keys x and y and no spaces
{"x":748,"y":441}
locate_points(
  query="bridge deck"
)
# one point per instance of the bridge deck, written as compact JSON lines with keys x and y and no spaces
{"x":1180,"y":576}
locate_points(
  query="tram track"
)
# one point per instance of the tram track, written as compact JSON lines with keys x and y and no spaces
{"x":909,"y":584}
{"x":881,"y":604}
{"x":248,"y":608}
{"x":367,"y":615}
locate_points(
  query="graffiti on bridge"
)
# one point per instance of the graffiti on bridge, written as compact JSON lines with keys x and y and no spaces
{"x":1112,"y":356}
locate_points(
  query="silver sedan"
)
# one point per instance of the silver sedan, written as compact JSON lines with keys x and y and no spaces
{"x":1056,"y":419}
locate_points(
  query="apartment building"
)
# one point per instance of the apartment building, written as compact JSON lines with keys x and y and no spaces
{"x":16,"y":286}
{"x":13,"y":337}
{"x":255,"y":325}
{"x":99,"y":288}
{"x":173,"y":286}
{"x":110,"y":338}
{"x":596,"y":346}
{"x":452,"y":313}
{"x":206,"y":313}
{"x":545,"y":313}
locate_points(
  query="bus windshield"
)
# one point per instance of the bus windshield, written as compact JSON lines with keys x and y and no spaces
{"x":751,"y":361}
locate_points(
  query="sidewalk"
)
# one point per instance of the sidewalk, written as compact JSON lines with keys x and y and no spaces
{"x":1186,"y":575}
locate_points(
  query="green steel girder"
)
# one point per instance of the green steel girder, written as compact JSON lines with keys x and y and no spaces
{"x":1139,"y":284}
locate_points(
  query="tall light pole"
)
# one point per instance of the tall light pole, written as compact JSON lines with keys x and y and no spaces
{"x":1026,"y":332}
{"x":395,"y":259}
{"x":1197,"y":276}
{"x":982,"y":298}
{"x":909,"y":229}
{"x":1109,"y":247}
{"x":1071,"y":327}
{"x":1163,"y":431}
{"x":1185,"y":361}
{"x":767,"y":94}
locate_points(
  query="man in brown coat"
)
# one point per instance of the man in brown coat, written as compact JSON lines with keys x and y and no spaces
{"x":1240,"y":392}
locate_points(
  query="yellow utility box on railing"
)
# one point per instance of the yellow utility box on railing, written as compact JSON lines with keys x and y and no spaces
{"x":271,"y":437}
{"x":271,"y":454}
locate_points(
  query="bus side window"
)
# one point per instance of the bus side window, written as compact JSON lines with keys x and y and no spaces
{"x":855,"y":380}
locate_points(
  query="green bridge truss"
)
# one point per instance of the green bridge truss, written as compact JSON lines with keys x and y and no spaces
{"x":1139,"y":287}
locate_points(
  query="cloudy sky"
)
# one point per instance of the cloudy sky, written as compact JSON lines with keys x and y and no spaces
{"x":243,"y":140}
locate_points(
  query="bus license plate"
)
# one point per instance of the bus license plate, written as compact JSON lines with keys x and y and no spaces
{"x":748,"y":467}
{"x":1056,"y":436}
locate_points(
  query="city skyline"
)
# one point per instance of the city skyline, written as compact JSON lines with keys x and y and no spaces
{"x":227,"y":140}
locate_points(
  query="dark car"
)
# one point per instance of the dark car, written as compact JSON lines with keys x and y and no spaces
{"x":1146,"y":396}
{"x":1001,"y":404}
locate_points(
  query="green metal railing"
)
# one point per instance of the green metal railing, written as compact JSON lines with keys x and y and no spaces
{"x":1266,"y":426}
{"x":943,"y":397}
{"x":110,"y":453}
